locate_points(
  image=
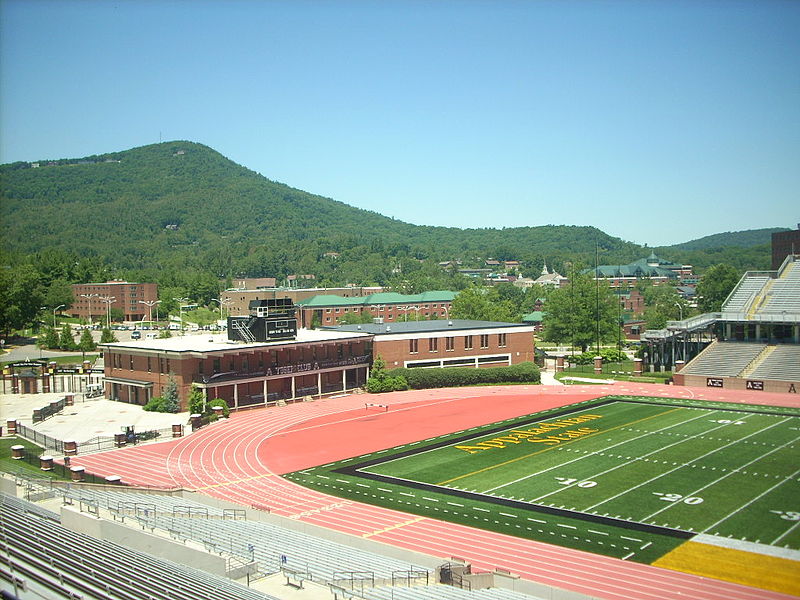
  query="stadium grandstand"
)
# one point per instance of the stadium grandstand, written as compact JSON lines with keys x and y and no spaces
{"x":214,"y":552}
{"x":752,"y":343}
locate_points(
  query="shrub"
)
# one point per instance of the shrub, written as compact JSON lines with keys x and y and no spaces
{"x":156,"y":404}
{"x":381,"y":381}
{"x":217,"y":402}
{"x":420,"y":379}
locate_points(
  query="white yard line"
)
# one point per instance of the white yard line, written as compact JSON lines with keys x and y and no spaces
{"x":792,"y":528}
{"x":761,"y":495}
{"x":558,"y":466}
{"x":729,"y":473}
{"x":671,"y":470}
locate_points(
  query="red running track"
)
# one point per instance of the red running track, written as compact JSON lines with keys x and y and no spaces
{"x":240,"y":460}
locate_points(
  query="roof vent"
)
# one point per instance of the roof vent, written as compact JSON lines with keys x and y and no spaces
{"x":388,"y":328}
{"x":359,"y":327}
{"x":449,"y":323}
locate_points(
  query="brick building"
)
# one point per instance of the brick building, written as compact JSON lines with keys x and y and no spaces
{"x":784,"y":243}
{"x":323,"y":361}
{"x":386,"y":307}
{"x":442,"y":343}
{"x":91,"y":300}
{"x":243,"y":374}
{"x":238,"y":300}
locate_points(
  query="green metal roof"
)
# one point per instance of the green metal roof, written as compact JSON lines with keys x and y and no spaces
{"x":534,"y":317}
{"x":325,"y":300}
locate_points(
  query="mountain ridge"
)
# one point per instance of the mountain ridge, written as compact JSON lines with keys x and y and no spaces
{"x":181,"y":204}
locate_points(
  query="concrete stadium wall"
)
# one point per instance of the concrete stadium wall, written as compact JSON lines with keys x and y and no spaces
{"x":736,"y":383}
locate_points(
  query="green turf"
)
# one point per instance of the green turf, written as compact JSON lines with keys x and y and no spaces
{"x":626,"y":477}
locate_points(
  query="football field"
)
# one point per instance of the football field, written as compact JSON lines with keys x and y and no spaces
{"x":627,"y":477}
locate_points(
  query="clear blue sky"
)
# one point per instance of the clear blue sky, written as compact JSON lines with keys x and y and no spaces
{"x":656,"y":121}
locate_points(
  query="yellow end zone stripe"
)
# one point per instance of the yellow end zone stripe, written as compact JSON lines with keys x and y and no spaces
{"x":737,"y":566}
{"x":513,"y":460}
{"x":396,"y":526}
{"x":214,"y":485}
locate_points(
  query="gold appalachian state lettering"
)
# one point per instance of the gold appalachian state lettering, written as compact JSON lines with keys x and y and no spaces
{"x":534,"y":435}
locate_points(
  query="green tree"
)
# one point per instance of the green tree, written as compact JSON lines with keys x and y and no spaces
{"x":662,"y":304}
{"x":59,"y":293}
{"x":86,"y":343}
{"x":196,"y":401}
{"x":50,"y":339}
{"x":717,"y":283}
{"x":482,"y":304}
{"x":573,"y":314}
{"x":107,"y":336}
{"x":380,"y":381}
{"x":171,"y":402}
{"x":21,"y":297}
{"x":66,"y":341}
{"x":354,"y":318}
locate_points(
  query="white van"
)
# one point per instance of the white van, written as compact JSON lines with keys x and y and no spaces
{"x":150,"y":336}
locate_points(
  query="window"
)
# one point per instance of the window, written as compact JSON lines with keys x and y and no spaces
{"x":449,"y":344}
{"x":131,"y":361}
{"x":216,"y":365}
{"x":150,"y":366}
{"x":501,"y":340}
{"x":467,"y":342}
{"x":484,"y":340}
{"x":201,"y":366}
{"x":413,"y":346}
{"x":433,"y":345}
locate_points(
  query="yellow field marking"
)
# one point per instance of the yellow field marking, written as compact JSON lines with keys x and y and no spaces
{"x":398,"y":525}
{"x":214,"y":485}
{"x":513,"y":460}
{"x":737,"y":566}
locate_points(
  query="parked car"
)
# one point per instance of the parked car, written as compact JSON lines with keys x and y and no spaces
{"x":136,"y":335}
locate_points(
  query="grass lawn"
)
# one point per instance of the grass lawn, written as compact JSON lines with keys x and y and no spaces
{"x":9,"y":465}
{"x":622,"y":371}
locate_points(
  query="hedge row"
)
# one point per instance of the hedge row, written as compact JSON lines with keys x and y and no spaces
{"x":420,"y":379}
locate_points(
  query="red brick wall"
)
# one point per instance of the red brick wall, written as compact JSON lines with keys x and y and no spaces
{"x":396,"y":351}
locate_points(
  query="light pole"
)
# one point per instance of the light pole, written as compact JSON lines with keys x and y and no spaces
{"x":150,"y":304}
{"x":109,"y":300}
{"x":90,"y":296}
{"x":222,"y":302}
{"x":180,"y":302}
{"x":54,"y":313}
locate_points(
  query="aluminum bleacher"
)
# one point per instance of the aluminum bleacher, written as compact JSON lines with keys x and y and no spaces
{"x":724,"y":359}
{"x":43,"y":559}
{"x":273,"y":546}
{"x":744,"y":293}
{"x":783,"y":296}
{"x":782,"y":364}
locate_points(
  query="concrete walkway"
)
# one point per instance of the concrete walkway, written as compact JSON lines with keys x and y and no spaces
{"x":85,"y":419}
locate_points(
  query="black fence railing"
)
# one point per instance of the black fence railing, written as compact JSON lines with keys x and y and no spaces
{"x":39,"y":438}
{"x":94,"y":444}
{"x":40,"y":414}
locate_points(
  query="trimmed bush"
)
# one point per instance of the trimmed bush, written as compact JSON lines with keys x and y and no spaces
{"x":420,"y":379}
{"x":217,"y":402}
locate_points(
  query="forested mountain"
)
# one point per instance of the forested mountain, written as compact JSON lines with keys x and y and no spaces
{"x":733,"y":239}
{"x":162,"y":211}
